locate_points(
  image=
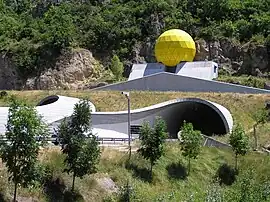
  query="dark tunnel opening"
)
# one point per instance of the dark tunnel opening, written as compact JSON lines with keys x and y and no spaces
{"x":48,"y":100}
{"x":202,"y":116}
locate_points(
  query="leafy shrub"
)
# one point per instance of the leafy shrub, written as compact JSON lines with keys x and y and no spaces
{"x":3,"y":94}
{"x":226,"y":174}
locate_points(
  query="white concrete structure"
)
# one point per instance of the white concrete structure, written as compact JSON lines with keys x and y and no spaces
{"x":208,"y":116}
{"x":141,"y":70}
{"x":200,"y":69}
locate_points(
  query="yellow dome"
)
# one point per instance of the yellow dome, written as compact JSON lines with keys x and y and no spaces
{"x":174,"y":46}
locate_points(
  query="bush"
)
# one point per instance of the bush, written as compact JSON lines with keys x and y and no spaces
{"x":226,"y":174}
{"x":3,"y":94}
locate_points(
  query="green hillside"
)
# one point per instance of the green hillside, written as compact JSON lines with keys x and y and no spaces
{"x":33,"y":33}
{"x":170,"y":182}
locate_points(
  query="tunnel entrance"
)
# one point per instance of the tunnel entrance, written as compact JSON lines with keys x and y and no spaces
{"x":202,"y":116}
{"x":48,"y":100}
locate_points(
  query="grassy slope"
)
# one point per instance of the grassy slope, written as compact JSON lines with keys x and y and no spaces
{"x":203,"y":171}
{"x":242,"y":106}
{"x":251,"y":81}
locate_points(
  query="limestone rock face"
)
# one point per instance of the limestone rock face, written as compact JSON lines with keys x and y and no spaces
{"x":233,"y":57}
{"x":240,"y":59}
{"x":73,"y":70}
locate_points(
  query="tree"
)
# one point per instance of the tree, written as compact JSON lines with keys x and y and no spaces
{"x":59,"y":27}
{"x":20,"y":151}
{"x":191,"y":142}
{"x":239,"y":142}
{"x":78,"y":142}
{"x":152,"y":141}
{"x":260,"y":117}
{"x":117,"y":67}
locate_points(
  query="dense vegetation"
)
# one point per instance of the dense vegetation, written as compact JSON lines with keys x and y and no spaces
{"x":170,"y":181}
{"x":31,"y":31}
{"x":211,"y":176}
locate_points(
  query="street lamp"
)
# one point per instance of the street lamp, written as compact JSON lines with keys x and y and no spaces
{"x":129,"y":132}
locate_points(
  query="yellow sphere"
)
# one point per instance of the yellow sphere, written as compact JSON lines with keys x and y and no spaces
{"x":174,"y":46}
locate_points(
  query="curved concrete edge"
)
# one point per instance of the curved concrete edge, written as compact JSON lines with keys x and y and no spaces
{"x":222,"y":111}
{"x":61,"y":108}
{"x":112,"y":124}
{"x":50,"y":113}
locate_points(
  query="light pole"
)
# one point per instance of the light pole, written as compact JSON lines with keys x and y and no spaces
{"x":129,"y":132}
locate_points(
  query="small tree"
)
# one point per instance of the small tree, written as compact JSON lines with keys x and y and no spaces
{"x":117,"y":67}
{"x":239,"y":142}
{"x":260,"y":117}
{"x":78,"y":142}
{"x":191,"y":142}
{"x":152,"y":141}
{"x":20,"y":151}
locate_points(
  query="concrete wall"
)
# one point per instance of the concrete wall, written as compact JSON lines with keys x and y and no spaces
{"x":141,"y":70}
{"x":171,"y":82}
{"x":200,"y":69}
{"x":210,"y":142}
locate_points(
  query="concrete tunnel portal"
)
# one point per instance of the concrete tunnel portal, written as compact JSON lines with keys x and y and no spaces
{"x":208,"y":117}
{"x":203,"y":117}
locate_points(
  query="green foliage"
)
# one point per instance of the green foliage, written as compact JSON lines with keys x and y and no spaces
{"x":117,"y":26}
{"x":127,"y":193}
{"x":251,"y":81}
{"x":191,"y":142}
{"x":152,"y":141}
{"x":3,"y":94}
{"x":117,"y":67}
{"x":214,"y":194}
{"x":58,"y":27}
{"x":248,"y":188}
{"x":20,"y":151}
{"x":226,"y":174}
{"x":78,"y":142}
{"x":261,"y":116}
{"x":239,"y":142}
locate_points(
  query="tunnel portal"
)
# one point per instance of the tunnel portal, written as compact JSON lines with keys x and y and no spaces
{"x":203,"y":117}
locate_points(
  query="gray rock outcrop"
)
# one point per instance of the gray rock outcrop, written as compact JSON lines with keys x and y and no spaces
{"x":249,"y":58}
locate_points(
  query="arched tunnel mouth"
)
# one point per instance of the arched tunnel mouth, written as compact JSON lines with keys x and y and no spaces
{"x":203,"y":117}
{"x":48,"y":100}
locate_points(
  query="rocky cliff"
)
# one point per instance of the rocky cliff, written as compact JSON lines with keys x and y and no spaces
{"x":249,"y":58}
{"x":78,"y":69}
{"x":73,"y":70}
{"x":233,"y":57}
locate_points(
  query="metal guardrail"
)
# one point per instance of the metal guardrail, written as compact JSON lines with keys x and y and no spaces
{"x":101,"y":140}
{"x":209,"y":142}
